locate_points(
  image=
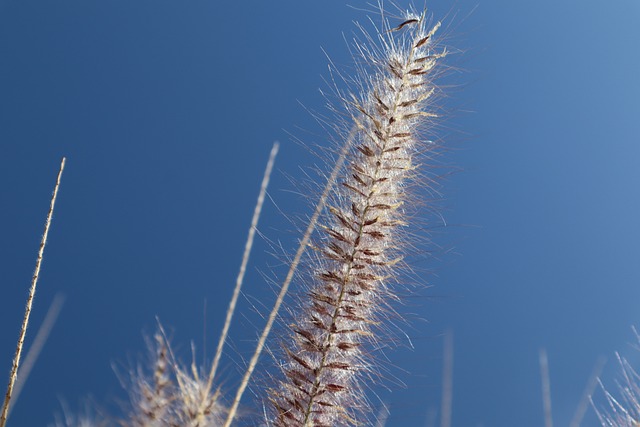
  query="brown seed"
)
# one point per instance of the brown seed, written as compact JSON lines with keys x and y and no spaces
{"x":382,"y":104}
{"x":365,"y":150}
{"x":418,"y":72}
{"x":409,"y":102}
{"x":359,"y":179}
{"x":422,"y":41}
{"x":404,"y":24}
{"x":354,"y":189}
{"x":334,"y":388}
{"x":395,"y":71}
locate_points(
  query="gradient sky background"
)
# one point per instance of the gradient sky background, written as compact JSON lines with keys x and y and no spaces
{"x":167,"y":110}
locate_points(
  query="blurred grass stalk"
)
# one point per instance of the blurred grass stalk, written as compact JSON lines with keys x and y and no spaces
{"x":36,"y":348}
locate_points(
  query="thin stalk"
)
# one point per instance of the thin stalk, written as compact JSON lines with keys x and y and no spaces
{"x":581,"y":410}
{"x":32,"y":291}
{"x":243,"y":266}
{"x":287,"y":281}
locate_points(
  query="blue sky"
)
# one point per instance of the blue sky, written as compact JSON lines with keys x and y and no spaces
{"x":166,"y":112}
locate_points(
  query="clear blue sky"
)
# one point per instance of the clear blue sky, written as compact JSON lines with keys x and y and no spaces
{"x":166,"y":111}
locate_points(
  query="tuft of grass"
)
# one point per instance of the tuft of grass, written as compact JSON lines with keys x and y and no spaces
{"x":172,"y":394}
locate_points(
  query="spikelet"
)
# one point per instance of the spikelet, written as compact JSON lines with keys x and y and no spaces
{"x":358,"y":251}
{"x":151,"y":398}
{"x":197,"y":405}
{"x":172,"y":396}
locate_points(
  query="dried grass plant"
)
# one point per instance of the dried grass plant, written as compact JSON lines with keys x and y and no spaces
{"x":353,"y":248}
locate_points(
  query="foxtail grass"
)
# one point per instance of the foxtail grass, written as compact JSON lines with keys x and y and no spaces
{"x":328,"y":351}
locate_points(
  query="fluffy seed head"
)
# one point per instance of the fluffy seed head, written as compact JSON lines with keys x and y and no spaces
{"x":358,"y":251}
{"x":172,"y":395}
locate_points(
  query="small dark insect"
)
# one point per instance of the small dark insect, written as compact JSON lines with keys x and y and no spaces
{"x":405,"y":23}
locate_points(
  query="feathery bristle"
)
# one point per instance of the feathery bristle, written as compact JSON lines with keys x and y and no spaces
{"x":359,"y":251}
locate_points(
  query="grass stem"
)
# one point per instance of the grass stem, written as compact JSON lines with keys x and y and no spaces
{"x":27,"y":312}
